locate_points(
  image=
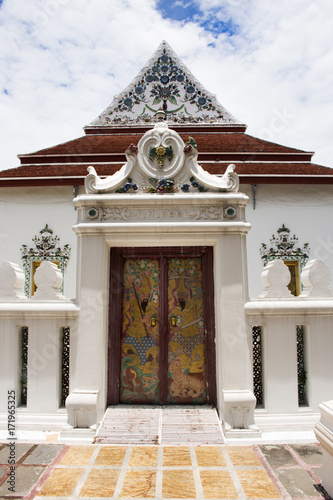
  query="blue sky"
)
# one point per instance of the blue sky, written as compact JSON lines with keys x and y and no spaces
{"x":187,"y":11}
{"x":268,"y":62}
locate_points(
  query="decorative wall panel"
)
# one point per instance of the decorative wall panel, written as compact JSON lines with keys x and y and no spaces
{"x":257,"y":366}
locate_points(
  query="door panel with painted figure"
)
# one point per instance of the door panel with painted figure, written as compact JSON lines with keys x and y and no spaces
{"x":162,"y":327}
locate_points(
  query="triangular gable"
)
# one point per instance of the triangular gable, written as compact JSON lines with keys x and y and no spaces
{"x":164,"y":84}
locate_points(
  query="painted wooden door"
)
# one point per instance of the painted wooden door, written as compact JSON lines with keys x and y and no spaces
{"x":163,"y":335}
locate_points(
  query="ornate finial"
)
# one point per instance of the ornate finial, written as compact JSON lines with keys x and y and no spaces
{"x":46,"y":247}
{"x":11,"y":281}
{"x":316,"y":277}
{"x":284,"y":246}
{"x":48,"y":279}
{"x":275,"y":278}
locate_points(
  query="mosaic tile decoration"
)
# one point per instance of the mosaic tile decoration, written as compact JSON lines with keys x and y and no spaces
{"x":166,"y":84}
{"x":45,"y":247}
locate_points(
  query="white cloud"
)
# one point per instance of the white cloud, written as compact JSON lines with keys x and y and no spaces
{"x":64,"y":60}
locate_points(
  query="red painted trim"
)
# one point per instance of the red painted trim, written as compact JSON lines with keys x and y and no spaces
{"x":285,"y":180}
{"x":72,"y":158}
{"x":182,"y":129}
{"x":232,"y":156}
{"x":78,"y":181}
{"x":115,"y":305}
{"x":209,"y":320}
{"x":163,"y":330}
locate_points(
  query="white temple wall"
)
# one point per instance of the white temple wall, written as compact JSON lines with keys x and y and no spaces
{"x":25,"y":211}
{"x":319,"y":349}
{"x":45,"y":320}
{"x":278,"y":320}
{"x":305,"y":209}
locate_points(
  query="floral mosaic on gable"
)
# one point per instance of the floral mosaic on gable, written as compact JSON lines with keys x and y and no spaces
{"x":46,"y":247}
{"x":165,"y":83}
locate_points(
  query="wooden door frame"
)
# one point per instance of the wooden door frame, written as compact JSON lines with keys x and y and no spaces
{"x":115,"y":311}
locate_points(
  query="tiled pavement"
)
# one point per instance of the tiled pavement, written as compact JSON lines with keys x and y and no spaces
{"x":54,"y":471}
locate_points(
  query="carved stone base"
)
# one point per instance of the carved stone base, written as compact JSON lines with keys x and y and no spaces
{"x":239,"y":414}
{"x":324,"y":434}
{"x":82,"y":409}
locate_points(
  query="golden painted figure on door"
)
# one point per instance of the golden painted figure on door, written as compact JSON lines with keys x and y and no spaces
{"x":140,"y":334}
{"x":162,"y":344}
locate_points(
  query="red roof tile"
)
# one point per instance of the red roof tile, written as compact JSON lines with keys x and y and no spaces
{"x":207,"y":143}
{"x":254,"y":158}
{"x":243,"y":169}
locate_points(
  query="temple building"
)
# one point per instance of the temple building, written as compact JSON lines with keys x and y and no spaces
{"x":166,"y":257}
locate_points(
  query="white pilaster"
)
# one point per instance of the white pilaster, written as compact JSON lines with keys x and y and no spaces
{"x":235,"y":398}
{"x":89,"y":346}
{"x":10,"y":361}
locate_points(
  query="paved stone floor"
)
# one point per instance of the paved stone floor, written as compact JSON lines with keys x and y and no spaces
{"x":59,"y":471}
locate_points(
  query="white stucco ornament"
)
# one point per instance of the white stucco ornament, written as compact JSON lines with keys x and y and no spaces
{"x":275,"y":278}
{"x":316,"y":277}
{"x":11,"y":281}
{"x":48,"y":279}
{"x":161,"y":163}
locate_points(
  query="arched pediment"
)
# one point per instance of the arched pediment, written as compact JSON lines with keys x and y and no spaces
{"x":161,"y":162}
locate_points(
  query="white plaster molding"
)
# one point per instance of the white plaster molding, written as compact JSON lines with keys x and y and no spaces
{"x":171,"y":213}
{"x":324,"y":434}
{"x":146,"y":199}
{"x":161,"y":135}
{"x":82,"y":409}
{"x":48,"y":279}
{"x":39,"y":309}
{"x":228,"y":182}
{"x":275,"y":278}
{"x":295,"y":307}
{"x":304,"y":420}
{"x":145,"y":172}
{"x":12,"y":280}
{"x":94,"y":184}
{"x":34,"y":422}
{"x":159,"y":230}
{"x":316,"y":277}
